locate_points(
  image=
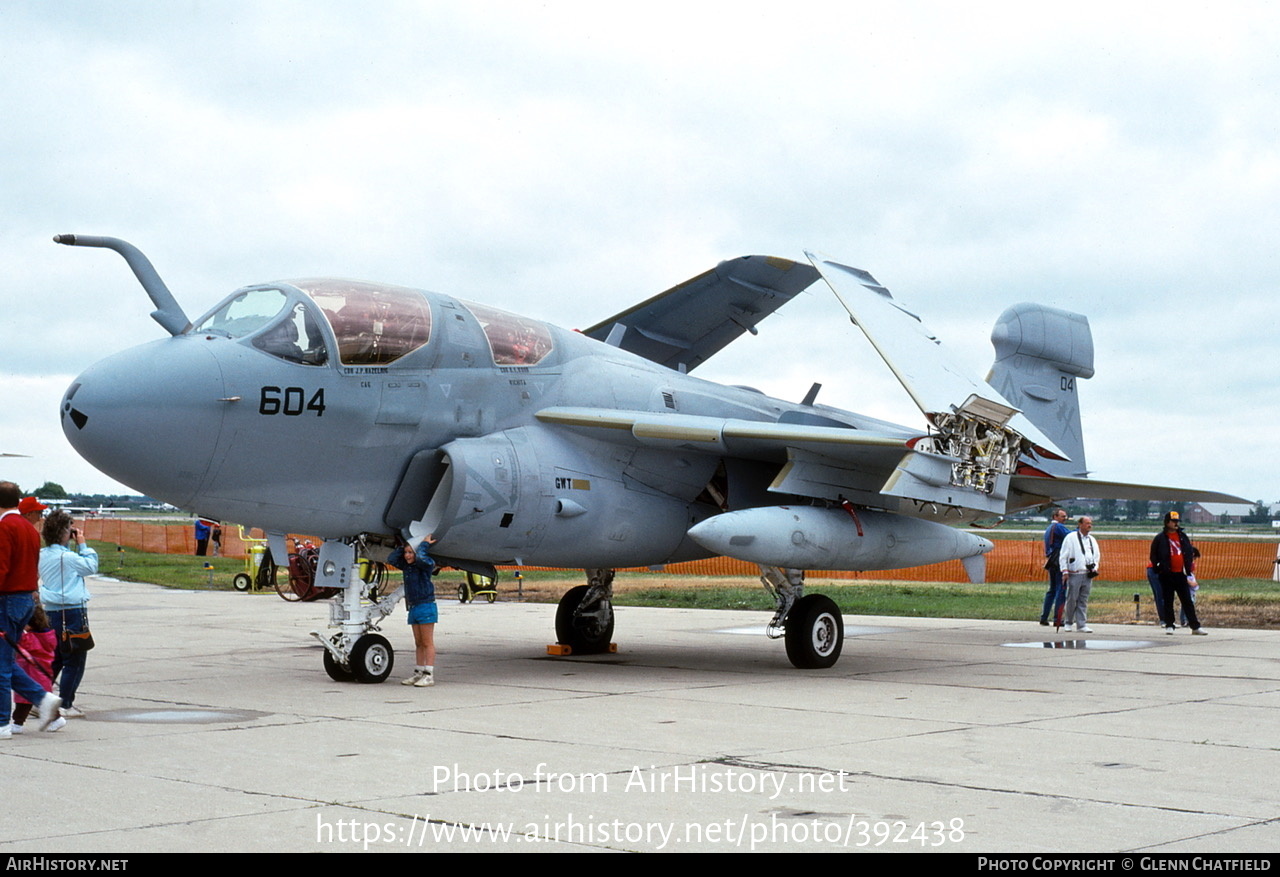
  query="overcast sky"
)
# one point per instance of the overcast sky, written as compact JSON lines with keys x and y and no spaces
{"x":567,"y":159}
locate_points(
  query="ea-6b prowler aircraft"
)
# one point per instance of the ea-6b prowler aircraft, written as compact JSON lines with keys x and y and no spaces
{"x":358,"y":412}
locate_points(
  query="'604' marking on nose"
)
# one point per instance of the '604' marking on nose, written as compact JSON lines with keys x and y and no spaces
{"x":290,"y":401}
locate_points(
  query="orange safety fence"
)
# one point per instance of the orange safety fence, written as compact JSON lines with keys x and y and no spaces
{"x":1123,"y":560}
{"x":161,"y":538}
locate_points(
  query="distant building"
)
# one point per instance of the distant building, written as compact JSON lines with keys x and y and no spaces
{"x":1217,"y":512}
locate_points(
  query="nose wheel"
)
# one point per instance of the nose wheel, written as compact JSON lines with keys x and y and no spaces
{"x":371,"y":658}
{"x":338,"y":672}
{"x":369,"y":661}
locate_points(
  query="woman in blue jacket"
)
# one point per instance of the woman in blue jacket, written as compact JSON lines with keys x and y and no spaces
{"x":66,"y":598}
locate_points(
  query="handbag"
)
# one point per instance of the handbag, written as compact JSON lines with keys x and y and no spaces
{"x":74,"y":642}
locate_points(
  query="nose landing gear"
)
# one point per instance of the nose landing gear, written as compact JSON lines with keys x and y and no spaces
{"x":354,"y":651}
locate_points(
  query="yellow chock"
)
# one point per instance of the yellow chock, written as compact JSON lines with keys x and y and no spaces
{"x":560,"y":650}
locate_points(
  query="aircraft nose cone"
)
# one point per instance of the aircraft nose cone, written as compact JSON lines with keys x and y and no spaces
{"x":149,"y":417}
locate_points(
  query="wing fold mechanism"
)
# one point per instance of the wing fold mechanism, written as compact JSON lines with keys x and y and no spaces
{"x":974,"y":446}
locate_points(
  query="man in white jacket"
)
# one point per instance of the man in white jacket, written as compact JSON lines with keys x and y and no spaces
{"x":1080,"y":560}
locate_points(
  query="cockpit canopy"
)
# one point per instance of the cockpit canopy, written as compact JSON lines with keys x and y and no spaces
{"x":513,"y":340}
{"x":373,"y":324}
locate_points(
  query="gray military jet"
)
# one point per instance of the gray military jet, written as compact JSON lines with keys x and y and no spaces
{"x":358,"y":412}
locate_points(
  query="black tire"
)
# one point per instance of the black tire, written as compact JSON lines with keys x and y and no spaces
{"x":266,"y":577}
{"x":242,"y":581}
{"x":815,"y":633}
{"x":462,"y":593}
{"x":491,"y":596}
{"x":585,"y":636}
{"x":336,"y":671}
{"x":371,"y":658}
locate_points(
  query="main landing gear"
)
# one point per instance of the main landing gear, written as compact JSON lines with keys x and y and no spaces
{"x":355,"y":651}
{"x":584,"y":618}
{"x":811,"y":624}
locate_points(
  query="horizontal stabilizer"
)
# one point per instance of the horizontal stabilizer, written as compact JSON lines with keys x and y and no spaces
{"x":688,"y":324}
{"x":1052,"y":489}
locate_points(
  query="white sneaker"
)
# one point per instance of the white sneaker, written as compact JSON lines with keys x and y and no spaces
{"x":1084,"y":628}
{"x":425,"y":680}
{"x":6,"y":731}
{"x":412,"y":680}
{"x":1199,"y":631}
{"x":48,"y":710}
{"x":15,"y":728}
{"x":71,"y":712}
{"x":57,"y":724}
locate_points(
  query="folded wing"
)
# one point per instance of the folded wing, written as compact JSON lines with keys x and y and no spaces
{"x":689,"y":323}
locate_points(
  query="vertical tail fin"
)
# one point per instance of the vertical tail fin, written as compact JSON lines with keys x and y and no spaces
{"x":1040,"y":353}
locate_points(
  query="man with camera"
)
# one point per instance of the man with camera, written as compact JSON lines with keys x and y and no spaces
{"x":1080,"y":558}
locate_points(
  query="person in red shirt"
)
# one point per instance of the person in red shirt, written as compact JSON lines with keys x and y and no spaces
{"x":19,"y":552}
{"x":1173,"y":558}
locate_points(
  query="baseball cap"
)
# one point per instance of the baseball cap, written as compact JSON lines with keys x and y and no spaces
{"x":30,"y":504}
